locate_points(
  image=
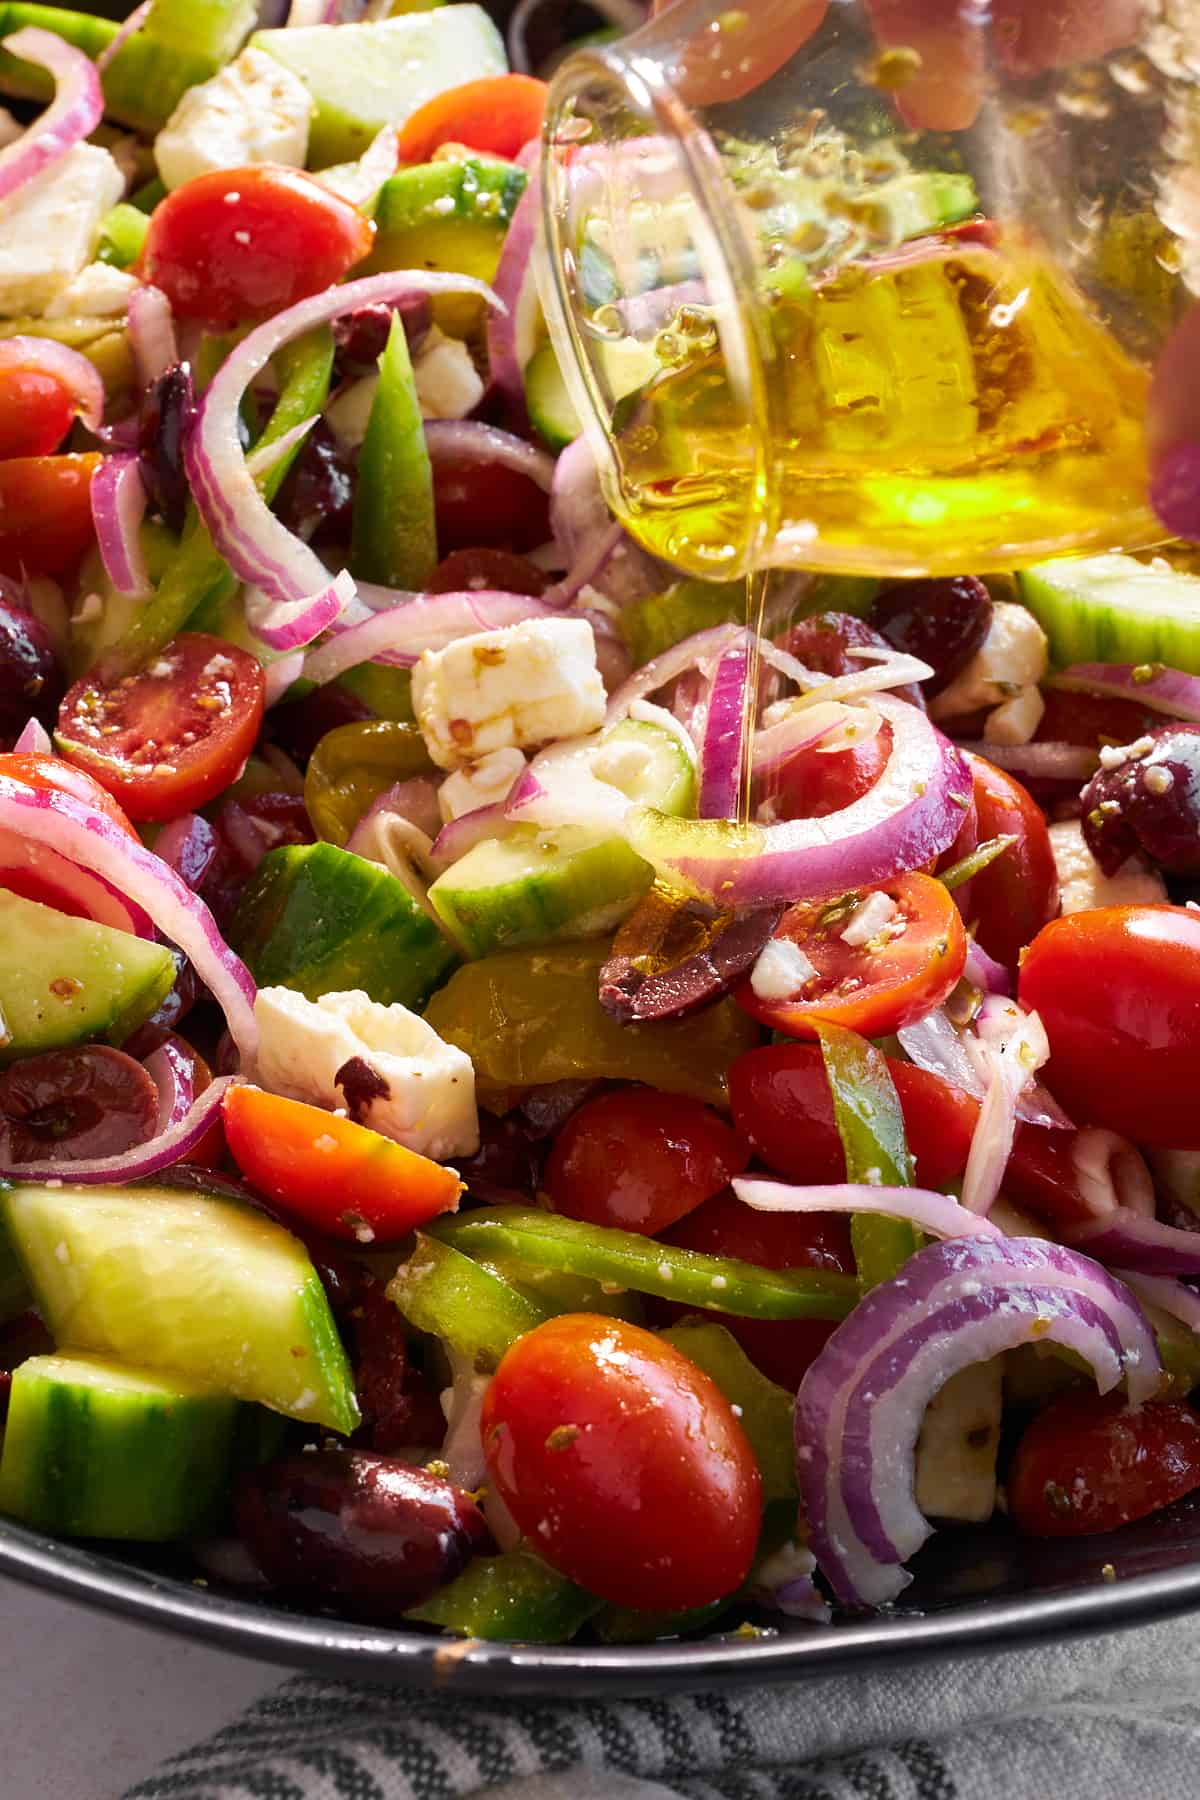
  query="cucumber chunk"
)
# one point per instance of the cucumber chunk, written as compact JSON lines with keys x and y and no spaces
{"x":474,"y":187}
{"x":322,"y":920}
{"x":184,"y":1285}
{"x":365,"y":76}
{"x":95,"y":1450}
{"x":649,"y":764}
{"x":537,"y":886}
{"x":65,"y":980}
{"x":549,"y":403}
{"x":143,"y":83}
{"x":1114,"y":609}
{"x":15,"y":1297}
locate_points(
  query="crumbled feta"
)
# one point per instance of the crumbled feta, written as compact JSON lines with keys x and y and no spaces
{"x":1082,"y":884}
{"x":349,"y":411}
{"x":955,"y":1472}
{"x":447,"y":382}
{"x":48,"y":227}
{"x":304,"y":1045}
{"x":781,"y":971}
{"x":519,"y":686}
{"x":484,"y":783}
{"x":1011,"y":658}
{"x":869,"y":919}
{"x":97,"y":292}
{"x":254,"y":111}
{"x":1015,"y":722}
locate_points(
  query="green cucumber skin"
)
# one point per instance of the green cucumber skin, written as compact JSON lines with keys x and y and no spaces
{"x":479,"y":190}
{"x":115,"y":980}
{"x":144,"y":82}
{"x":550,"y":408}
{"x":82,"y":1461}
{"x":1088,"y":616}
{"x":15,"y":1295}
{"x":318,"y":919}
{"x":583,"y":893}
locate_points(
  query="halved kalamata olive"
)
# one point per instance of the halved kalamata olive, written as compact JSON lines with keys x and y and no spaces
{"x":671,"y":957}
{"x":464,"y":570}
{"x":507,"y":1166}
{"x":1147,"y":799}
{"x":64,"y":1104}
{"x":943,"y":621}
{"x":167,"y":411}
{"x":823,"y":640}
{"x":400,"y":1410}
{"x":31,"y":684}
{"x":365,"y":1535}
{"x":317,"y":497}
{"x":361,"y":336}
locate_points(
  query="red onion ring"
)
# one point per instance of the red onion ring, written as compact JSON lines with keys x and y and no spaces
{"x":471,"y":441}
{"x":377,"y":164}
{"x":462,"y":834}
{"x":777,"y":744}
{"x":258,"y":547}
{"x":77,"y":374}
{"x":1130,"y":1240}
{"x":151,"y":333}
{"x":984,"y":972}
{"x":1013,"y":1058}
{"x":421,"y":622}
{"x":934,"y":1044}
{"x":510,"y":331}
{"x":723,"y":740}
{"x":292,"y":624}
{"x":134,"y":22}
{"x":75,"y":111}
{"x":1039,"y":762}
{"x":583,"y":526}
{"x":34,"y":738}
{"x":1152,"y":685}
{"x":1173,"y":1297}
{"x":261,"y":461}
{"x":118,"y":498}
{"x":279,"y":677}
{"x":173,"y":1075}
{"x":939,"y":1214}
{"x":689,"y":653}
{"x":63,"y":824}
{"x":414,"y":800}
{"x":143,"y":1160}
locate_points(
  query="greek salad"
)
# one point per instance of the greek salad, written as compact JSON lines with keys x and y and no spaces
{"x":527,"y":1106}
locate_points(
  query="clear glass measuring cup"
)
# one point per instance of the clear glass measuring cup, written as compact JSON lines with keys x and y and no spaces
{"x":835,"y":289}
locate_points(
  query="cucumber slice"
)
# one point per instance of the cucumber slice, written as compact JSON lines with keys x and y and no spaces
{"x":649,"y":764}
{"x":64,"y":980}
{"x":549,"y":403}
{"x":143,"y":83}
{"x":95,"y":1450}
{"x":322,"y":920}
{"x":473,"y":188}
{"x":184,"y":1285}
{"x":15,"y":1297}
{"x":1114,"y":609}
{"x":538,"y":886}
{"x":213,"y":28}
{"x":365,"y":76}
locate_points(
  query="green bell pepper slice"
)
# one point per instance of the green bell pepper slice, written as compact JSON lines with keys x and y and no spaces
{"x":766,"y":1410}
{"x":122,"y":234}
{"x":866,"y":1109}
{"x":443,"y":1292}
{"x":513,"y":1597}
{"x":393,"y":540}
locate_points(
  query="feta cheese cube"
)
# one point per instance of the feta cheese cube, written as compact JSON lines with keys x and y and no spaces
{"x":254,"y":111}
{"x":1011,"y":658}
{"x":48,"y":227}
{"x":1082,"y":884}
{"x":520,"y":686}
{"x":954,"y":1476}
{"x":97,"y":292}
{"x":484,"y":783}
{"x":1017,"y":720}
{"x":869,"y":919}
{"x":445,"y":377}
{"x":305,"y":1045}
{"x":350,"y":409}
{"x":781,"y":970}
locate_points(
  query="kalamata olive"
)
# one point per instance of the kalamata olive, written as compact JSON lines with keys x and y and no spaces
{"x":943,"y":621}
{"x":672,"y":957}
{"x":167,"y":411}
{"x":361,"y":335}
{"x":30,"y":682}
{"x":400,"y":1410}
{"x":317,"y":497}
{"x":1146,"y":796}
{"x":823,"y":640}
{"x":365,"y":1535}
{"x":71,"y":1104}
{"x":299,"y":725}
{"x":246,"y":830}
{"x":507,"y":1166}
{"x":465,"y":570}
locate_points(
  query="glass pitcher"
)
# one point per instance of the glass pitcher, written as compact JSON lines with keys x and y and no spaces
{"x":829,"y":298}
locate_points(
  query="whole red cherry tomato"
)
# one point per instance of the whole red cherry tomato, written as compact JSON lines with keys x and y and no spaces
{"x":45,"y":513}
{"x":36,"y":406}
{"x":1089,"y":1463}
{"x":623,"y":1462}
{"x":815,"y":782}
{"x":1017,"y":893}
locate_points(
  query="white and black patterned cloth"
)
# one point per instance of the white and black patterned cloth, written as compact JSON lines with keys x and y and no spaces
{"x":1109,"y":1718}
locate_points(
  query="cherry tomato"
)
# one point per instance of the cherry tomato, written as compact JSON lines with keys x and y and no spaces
{"x":901,"y":973}
{"x":639,"y":1160}
{"x":1017,"y":893}
{"x":482,"y":504}
{"x":498,"y":114}
{"x":1118,"y":990}
{"x":1092,"y":720}
{"x":45,"y":513}
{"x":725,"y":1226}
{"x":1089,"y":1463}
{"x":623,"y":1462}
{"x":36,"y":406}
{"x":38,"y":771}
{"x":172,"y":737}
{"x":817,"y":782}
{"x":781,"y":1104}
{"x":237,"y":244}
{"x":348,"y":1181}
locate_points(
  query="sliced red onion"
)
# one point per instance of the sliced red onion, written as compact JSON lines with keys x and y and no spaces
{"x":387,"y":834}
{"x":415,"y":800}
{"x":583,"y":525}
{"x":291,"y":624}
{"x":173,"y":1075}
{"x":1152,"y":685}
{"x":471,"y":441}
{"x":907,"y":818}
{"x":1015,"y":1058}
{"x":462,"y":1403}
{"x":258,"y":547}
{"x":262,"y":460}
{"x":188,"y":844}
{"x":143,"y":1160}
{"x":1129,"y":1240}
{"x":560,"y":787}
{"x":722,"y":744}
{"x":689,"y":653}
{"x":65,"y":885}
{"x":74,"y":112}
{"x":984,"y":972}
{"x":34,"y":739}
{"x":65,"y":825}
{"x":510,"y":331}
{"x":279,"y":677}
{"x":876,"y":676}
{"x":806,"y":727}
{"x":462,"y":834}
{"x":151,"y":333}
{"x":586,"y":570}
{"x":934,"y":1044}
{"x":1111,"y":1173}
{"x":863,"y":1399}
{"x":1040,"y":762}
{"x":1173,"y":1297}
{"x":134,"y":22}
{"x":80,"y":377}
{"x":118,"y":499}
{"x":423,"y":622}
{"x":939,"y":1214}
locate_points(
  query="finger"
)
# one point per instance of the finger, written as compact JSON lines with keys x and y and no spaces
{"x":750,"y":43}
{"x":945,"y":87}
{"x":1173,"y":430}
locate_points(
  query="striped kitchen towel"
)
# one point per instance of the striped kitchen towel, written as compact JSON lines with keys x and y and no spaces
{"x":1108,"y":1718}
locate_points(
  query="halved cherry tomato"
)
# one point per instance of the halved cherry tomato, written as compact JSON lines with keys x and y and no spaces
{"x":1017,"y":893}
{"x":36,"y":406}
{"x":901,"y":973}
{"x":639,"y":1160}
{"x":781,"y":1104}
{"x":725,"y":1226}
{"x":348,"y":1181}
{"x":483,"y":504}
{"x":817,"y":782}
{"x":1089,"y":1463}
{"x":623,"y":1462}
{"x":173,"y":736}
{"x":498,"y":114}
{"x":237,"y":244}
{"x":1118,"y":990}
{"x":45,"y":513}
